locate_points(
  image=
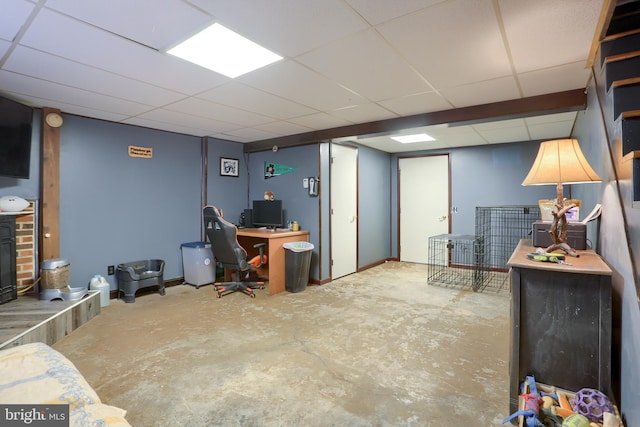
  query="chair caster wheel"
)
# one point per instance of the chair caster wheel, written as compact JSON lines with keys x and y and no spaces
{"x":252,"y":295}
{"x":219,"y":295}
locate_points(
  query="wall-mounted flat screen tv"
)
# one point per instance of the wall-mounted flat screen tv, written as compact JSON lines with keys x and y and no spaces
{"x":15,"y":138}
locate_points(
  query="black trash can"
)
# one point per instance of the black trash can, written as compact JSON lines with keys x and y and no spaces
{"x":297,"y":260}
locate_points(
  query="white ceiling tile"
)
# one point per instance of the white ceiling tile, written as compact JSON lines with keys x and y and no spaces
{"x":167,"y":126}
{"x":57,"y":93}
{"x":431,"y":145}
{"x":290,"y":80}
{"x":363,"y":113}
{"x":282,"y":128}
{"x":365,"y":60}
{"x":77,"y":41}
{"x":555,"y":79}
{"x":319,"y":121}
{"x":376,"y":12}
{"x":445,"y":137}
{"x":226,"y":137}
{"x":250,"y":99}
{"x":502,"y":135}
{"x":551,"y":33}
{"x":500,"y":124}
{"x":551,"y":130}
{"x":457,"y":136}
{"x":288,"y":27}
{"x":450,"y":54}
{"x":501,"y":89}
{"x":552,"y":118}
{"x":14,"y":14}
{"x":187,"y":120}
{"x":59,"y":70}
{"x":211,"y":110}
{"x":425,"y":102}
{"x":144,"y":21}
{"x":251,"y":134}
{"x":36,"y":102}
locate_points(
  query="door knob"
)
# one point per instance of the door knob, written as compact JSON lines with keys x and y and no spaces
{"x":442,"y":218}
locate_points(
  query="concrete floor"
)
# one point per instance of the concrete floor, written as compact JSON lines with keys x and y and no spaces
{"x":377,"y":348}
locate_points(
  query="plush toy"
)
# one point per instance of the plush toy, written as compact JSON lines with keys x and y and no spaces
{"x":268,"y":195}
{"x":532,"y":402}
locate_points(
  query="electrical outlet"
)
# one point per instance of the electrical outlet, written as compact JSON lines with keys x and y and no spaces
{"x":110,"y":270}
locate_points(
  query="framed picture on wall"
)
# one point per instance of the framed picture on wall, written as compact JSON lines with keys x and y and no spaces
{"x":229,"y":167}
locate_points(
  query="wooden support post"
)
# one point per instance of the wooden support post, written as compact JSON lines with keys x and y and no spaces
{"x":49,"y":238}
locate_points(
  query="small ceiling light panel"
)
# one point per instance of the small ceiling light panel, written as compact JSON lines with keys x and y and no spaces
{"x":224,"y":51}
{"x":409,"y":139}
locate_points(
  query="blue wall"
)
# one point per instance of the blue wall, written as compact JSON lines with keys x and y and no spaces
{"x":480,"y":176}
{"x":227,"y":193}
{"x":618,"y":225}
{"x":115,"y":208}
{"x":374,"y":207}
{"x":296,"y":202}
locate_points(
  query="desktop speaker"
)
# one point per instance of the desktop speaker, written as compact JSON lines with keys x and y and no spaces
{"x":246,"y":218}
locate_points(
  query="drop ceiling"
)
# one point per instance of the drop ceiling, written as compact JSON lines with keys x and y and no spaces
{"x":345,"y":62}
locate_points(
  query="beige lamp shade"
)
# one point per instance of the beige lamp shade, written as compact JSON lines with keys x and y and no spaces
{"x":560,"y":161}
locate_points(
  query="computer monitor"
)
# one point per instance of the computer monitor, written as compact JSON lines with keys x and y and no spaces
{"x":267,"y":213}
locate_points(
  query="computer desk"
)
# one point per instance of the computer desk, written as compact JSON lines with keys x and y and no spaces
{"x":275,"y":268}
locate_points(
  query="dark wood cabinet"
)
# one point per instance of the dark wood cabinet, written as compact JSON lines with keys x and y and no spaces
{"x":8,"y":281}
{"x":560,"y":322}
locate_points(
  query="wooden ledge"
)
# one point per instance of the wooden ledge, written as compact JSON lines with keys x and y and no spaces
{"x":621,"y":35}
{"x":632,"y":155}
{"x":621,"y":56}
{"x":626,"y":82}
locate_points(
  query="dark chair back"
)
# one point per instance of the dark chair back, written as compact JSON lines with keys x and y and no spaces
{"x":223,"y":238}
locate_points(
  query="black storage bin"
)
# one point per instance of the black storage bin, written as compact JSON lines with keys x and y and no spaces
{"x":297,"y":260}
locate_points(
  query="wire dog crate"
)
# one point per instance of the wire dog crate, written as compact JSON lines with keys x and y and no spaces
{"x":499,"y":229}
{"x":452,"y":261}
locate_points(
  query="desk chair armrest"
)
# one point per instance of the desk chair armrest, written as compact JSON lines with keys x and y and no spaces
{"x":260,"y":247}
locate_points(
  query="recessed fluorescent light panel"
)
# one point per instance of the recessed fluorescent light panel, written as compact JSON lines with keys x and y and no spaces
{"x":224,"y":51}
{"x":408,"y":139}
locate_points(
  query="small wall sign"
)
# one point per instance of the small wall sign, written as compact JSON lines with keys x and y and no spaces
{"x":144,"y":152}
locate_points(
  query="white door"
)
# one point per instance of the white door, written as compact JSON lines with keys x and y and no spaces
{"x":344,"y":210}
{"x":424,"y":204}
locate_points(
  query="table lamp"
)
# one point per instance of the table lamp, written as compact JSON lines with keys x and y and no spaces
{"x":560,"y":162}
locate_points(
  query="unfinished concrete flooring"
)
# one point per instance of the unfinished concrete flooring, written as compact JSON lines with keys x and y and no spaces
{"x":377,"y":348}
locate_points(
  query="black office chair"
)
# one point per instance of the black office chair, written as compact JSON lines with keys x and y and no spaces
{"x":227,"y":251}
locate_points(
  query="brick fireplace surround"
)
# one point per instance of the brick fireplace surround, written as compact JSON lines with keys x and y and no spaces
{"x":26,"y":247}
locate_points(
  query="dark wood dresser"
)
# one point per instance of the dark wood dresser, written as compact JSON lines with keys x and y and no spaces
{"x":560,"y":322}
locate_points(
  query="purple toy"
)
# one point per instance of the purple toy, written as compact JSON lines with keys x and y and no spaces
{"x":592,"y":404}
